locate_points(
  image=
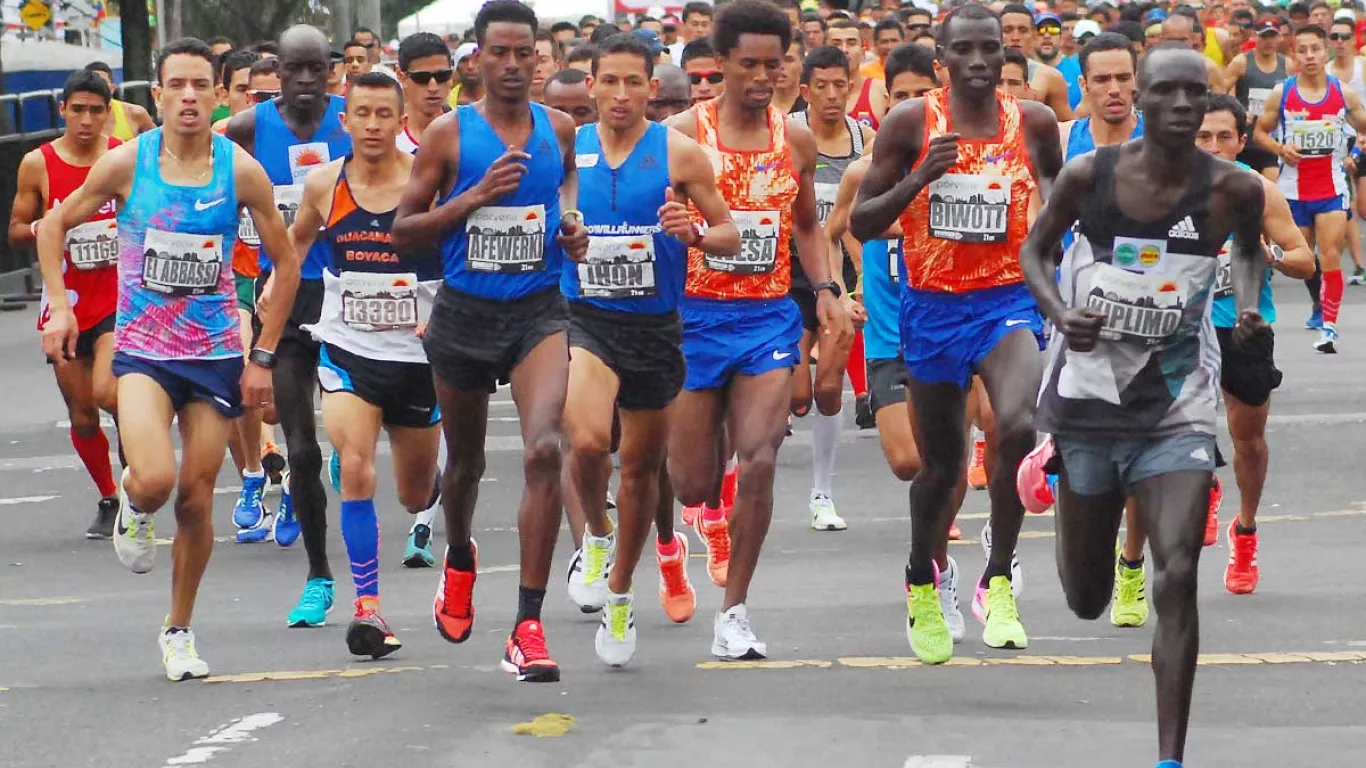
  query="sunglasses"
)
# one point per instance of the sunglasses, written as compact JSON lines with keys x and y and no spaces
{"x":713,"y":76}
{"x":917,"y":27}
{"x":261,"y":96}
{"x":1340,"y":37}
{"x":1050,"y":29}
{"x":441,"y":76}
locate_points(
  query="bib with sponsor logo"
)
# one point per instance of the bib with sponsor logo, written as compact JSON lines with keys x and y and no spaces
{"x":288,"y":198}
{"x":1139,"y":308}
{"x":1223,"y":279}
{"x":1314,"y":138}
{"x":376,"y":301}
{"x":304,"y":158}
{"x":1256,"y":100}
{"x":505,"y":238}
{"x":969,"y":208}
{"x":93,"y":245}
{"x":758,"y":245}
{"x":825,"y":200}
{"x":177,"y":264}
{"x":618,"y":267}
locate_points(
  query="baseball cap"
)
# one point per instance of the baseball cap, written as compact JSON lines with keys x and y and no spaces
{"x":1267,"y":25}
{"x":1047,"y":17}
{"x":1345,"y":15}
{"x":651,"y":40}
{"x":1085,"y":28}
{"x":465,"y":51}
{"x":1156,"y":16}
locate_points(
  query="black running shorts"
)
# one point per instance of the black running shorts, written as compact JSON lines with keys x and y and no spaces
{"x":1249,"y":373}
{"x":307,"y":309}
{"x":402,"y":391}
{"x":473,"y":343}
{"x":886,"y":383}
{"x":644,"y":351}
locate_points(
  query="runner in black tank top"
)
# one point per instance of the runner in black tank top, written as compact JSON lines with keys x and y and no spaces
{"x":1129,"y":397}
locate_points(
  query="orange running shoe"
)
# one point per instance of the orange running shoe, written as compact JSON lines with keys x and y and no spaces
{"x":526,"y":656}
{"x":1216,"y":498}
{"x":715,"y":537}
{"x":675,"y":591}
{"x":730,"y":482}
{"x":1241,"y":573}
{"x":977,"y":470}
{"x":691,"y":514}
{"x":453,"y":610}
{"x":955,"y":533}
{"x":273,"y":462}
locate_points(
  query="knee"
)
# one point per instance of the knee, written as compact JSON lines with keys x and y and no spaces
{"x":757,"y":468}
{"x":1174,"y":580}
{"x":414,"y":499}
{"x":154,"y":486}
{"x":541,"y":456}
{"x":691,"y":486}
{"x":463,"y":471}
{"x":193,"y":505}
{"x":358,"y":469}
{"x":305,"y":459}
{"x":589,"y":444}
{"x":1016,"y":428}
{"x":1087,"y":603}
{"x":905,"y":466}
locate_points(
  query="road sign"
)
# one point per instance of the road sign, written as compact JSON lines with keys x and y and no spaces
{"x":35,"y":14}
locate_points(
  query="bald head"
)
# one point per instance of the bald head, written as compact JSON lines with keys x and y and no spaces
{"x":1170,"y":60}
{"x":674,"y":95}
{"x":1179,"y":28}
{"x":305,"y":61}
{"x":304,"y":39}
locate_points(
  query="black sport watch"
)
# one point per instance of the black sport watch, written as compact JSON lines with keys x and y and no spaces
{"x":829,"y":285}
{"x":262,"y":357}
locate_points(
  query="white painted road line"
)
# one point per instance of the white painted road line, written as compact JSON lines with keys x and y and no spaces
{"x":237,"y":732}
{"x":938,"y":761}
{"x":26,"y":500}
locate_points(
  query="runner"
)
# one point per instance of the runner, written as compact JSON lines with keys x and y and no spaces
{"x":424,"y":70}
{"x":470,"y":88}
{"x":1310,"y":110}
{"x":290,"y":135}
{"x":1254,"y":75}
{"x":1044,"y":81}
{"x":567,"y":91}
{"x":177,"y":348}
{"x":741,"y":332}
{"x":625,"y":336}
{"x":234,"y":85}
{"x":705,"y":79}
{"x":504,"y":172}
{"x":127,"y":120}
{"x":372,"y":369}
{"x":1108,"y":69}
{"x":964,"y":308}
{"x":1159,"y":445}
{"x":47,"y":176}
{"x":867,"y":99}
{"x":671,"y":95}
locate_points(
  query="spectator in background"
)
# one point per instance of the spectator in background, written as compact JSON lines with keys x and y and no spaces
{"x":813,"y":30}
{"x":549,"y":60}
{"x":587,"y":24}
{"x":234,"y":80}
{"x":563,"y":32}
{"x":672,"y":96}
{"x":221,"y":45}
{"x":468,"y":88}
{"x":886,"y":36}
{"x":581,"y":58}
{"x":697,"y":18}
{"x":567,"y":91}
{"x":602,"y":32}
{"x":356,"y":58}
{"x":126,"y":120}
{"x":705,"y":79}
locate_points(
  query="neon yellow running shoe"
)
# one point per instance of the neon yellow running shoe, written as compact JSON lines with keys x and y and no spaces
{"x":1002,"y":627}
{"x":1129,"y":605}
{"x":925,"y":626}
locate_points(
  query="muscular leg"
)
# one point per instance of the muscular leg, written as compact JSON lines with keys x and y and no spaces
{"x":1331,"y":227}
{"x":464,"y":423}
{"x":353,"y":429}
{"x":1251,"y":456}
{"x":147,"y":437}
{"x":588,"y":437}
{"x":203,"y":436}
{"x":1086,"y":528}
{"x":696,"y":459}
{"x":246,"y":438}
{"x":415,"y":452}
{"x":1134,"y":537}
{"x":296,"y":376}
{"x":664,"y":505}
{"x":756,"y":422}
{"x":936,"y":414}
{"x":75,"y":380}
{"x":104,"y":386}
{"x":643,"y":435}
{"x":539,"y":383}
{"x":801,"y":379}
{"x":985,"y":418}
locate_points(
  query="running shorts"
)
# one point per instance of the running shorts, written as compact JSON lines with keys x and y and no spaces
{"x":1248,"y":372}
{"x":1097,"y":466}
{"x":806,"y":303}
{"x":738,"y":337}
{"x":886,"y":383}
{"x":644,"y":351}
{"x":307,"y":309}
{"x":945,"y":336}
{"x":1304,"y":211}
{"x":217,"y":382}
{"x":85,"y":343}
{"x":473,"y":343}
{"x":402,"y":391}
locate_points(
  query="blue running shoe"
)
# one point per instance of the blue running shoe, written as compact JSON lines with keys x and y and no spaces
{"x":1315,"y":321}
{"x":287,"y":527}
{"x":249,"y":509}
{"x":264,"y":530}
{"x":418,"y":553}
{"x":314,"y":604}
{"x":334,"y":470}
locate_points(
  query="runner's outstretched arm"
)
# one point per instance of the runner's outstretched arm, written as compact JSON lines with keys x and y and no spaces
{"x":1279,"y":226}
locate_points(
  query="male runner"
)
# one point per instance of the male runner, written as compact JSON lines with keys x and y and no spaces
{"x":372,"y":369}
{"x":177,"y":351}
{"x":1130,"y":397}
{"x":1108,"y":69}
{"x":356,"y":58}
{"x":1184,"y":28}
{"x":503,"y":172}
{"x":867,"y":99}
{"x":887,"y":35}
{"x":470,"y":88}
{"x":424,"y":71}
{"x":705,"y":79}
{"x":1018,"y":22}
{"x":740,"y":330}
{"x":1254,"y":74}
{"x":625,"y":334}
{"x":292,"y":135}
{"x":47,"y":176}
{"x":234,"y":85}
{"x":964,"y":309}
{"x":127,"y":120}
{"x":787,"y":89}
{"x":1311,"y":110}
{"x":567,"y":91}
{"x":670,"y":94}
{"x":549,"y":60}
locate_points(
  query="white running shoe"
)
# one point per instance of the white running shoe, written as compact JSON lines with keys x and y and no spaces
{"x":616,"y":638}
{"x":732,"y":638}
{"x":823,"y":514}
{"x":1016,"y":570}
{"x":178,"y":654}
{"x":134,"y":541}
{"x":948,"y":602}
{"x":588,"y":571}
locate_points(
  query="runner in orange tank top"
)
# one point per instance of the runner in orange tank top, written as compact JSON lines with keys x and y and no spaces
{"x":977,"y":156}
{"x":740,"y":328}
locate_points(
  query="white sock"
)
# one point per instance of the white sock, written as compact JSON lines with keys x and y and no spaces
{"x":257,"y":473}
{"x":825,"y":436}
{"x":427,"y":516}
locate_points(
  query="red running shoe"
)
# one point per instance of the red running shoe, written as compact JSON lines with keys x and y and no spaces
{"x":526,"y":656}
{"x":1216,"y":498}
{"x":453,"y":609}
{"x":1031,"y":480}
{"x":977,"y":470}
{"x":1241,"y":573}
{"x":690,"y":515}
{"x":955,"y":533}
{"x":369,"y":634}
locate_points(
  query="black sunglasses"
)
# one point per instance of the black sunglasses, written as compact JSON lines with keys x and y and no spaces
{"x":441,"y":76}
{"x":712,"y":77}
{"x":1339,"y":36}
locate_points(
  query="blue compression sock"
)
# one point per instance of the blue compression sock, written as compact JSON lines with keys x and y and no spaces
{"x":1168,"y":764}
{"x":360,"y":531}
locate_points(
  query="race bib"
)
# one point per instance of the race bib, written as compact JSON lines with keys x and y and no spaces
{"x":825,"y":200}
{"x":758,"y":245}
{"x":178,"y":264}
{"x":93,"y":245}
{"x":618,"y":267}
{"x":1313,"y":138}
{"x":288,"y":197}
{"x":304,"y":158}
{"x":894,"y":256}
{"x":1256,"y":100}
{"x":1223,"y":276}
{"x":968,"y":208}
{"x":373,"y":301}
{"x":246,"y":229}
{"x":506,"y":238}
{"x":1139,"y":308}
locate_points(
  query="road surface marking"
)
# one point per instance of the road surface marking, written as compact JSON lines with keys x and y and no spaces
{"x":549,"y":725}
{"x":26,"y":500}
{"x":315,"y":674}
{"x":1050,"y":660}
{"x":939,"y":761}
{"x":237,"y":732}
{"x":28,"y":602}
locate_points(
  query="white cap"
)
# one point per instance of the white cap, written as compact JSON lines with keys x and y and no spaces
{"x":1085,"y":27}
{"x":465,"y":51}
{"x":1345,"y":14}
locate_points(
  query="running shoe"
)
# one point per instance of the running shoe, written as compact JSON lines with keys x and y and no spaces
{"x":1129,"y":604}
{"x":1031,"y":480}
{"x":730,"y":483}
{"x":977,"y":470}
{"x":926,"y":630}
{"x":995,"y":607}
{"x":955,"y":533}
{"x":1328,"y":340}
{"x":1216,"y":498}
{"x":715,"y":535}
{"x":263,"y":530}
{"x":1315,"y":321}
{"x":948,"y":602}
{"x":526,"y":656}
{"x":823,"y":514}
{"x":334,"y":470}
{"x":691,"y":514}
{"x":369,"y":634}
{"x":102,"y":527}
{"x":134,"y":539}
{"x":273,"y":462}
{"x":314,"y":604}
{"x":178,"y":655}
{"x":1358,"y":277}
{"x":611,"y":500}
{"x":1241,"y":574}
{"x":287,"y":528}
{"x":453,"y":609}
{"x":676,"y":593}
{"x":615,"y":641}
{"x":733,"y":639}
{"x":249,"y":509}
{"x":1016,"y":570}
{"x":417,"y":553}
{"x":864,"y":418}
{"x":588,"y":571}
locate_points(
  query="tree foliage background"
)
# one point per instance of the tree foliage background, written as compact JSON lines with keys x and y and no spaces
{"x":252,"y":20}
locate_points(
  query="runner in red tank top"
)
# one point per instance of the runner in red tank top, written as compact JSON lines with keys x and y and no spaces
{"x":47,"y":176}
{"x":978,"y":157}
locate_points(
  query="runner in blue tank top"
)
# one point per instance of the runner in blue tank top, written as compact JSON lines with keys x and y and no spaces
{"x":626,"y":338}
{"x":297,"y":132}
{"x":502,"y":173}
{"x":177,"y":347}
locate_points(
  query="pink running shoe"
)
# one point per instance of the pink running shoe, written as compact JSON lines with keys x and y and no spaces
{"x":1031,"y":481}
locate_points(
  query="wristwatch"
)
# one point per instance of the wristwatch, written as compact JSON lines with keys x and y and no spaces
{"x":829,"y":285}
{"x":263,"y":357}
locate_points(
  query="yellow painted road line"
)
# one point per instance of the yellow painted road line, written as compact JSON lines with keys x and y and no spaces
{"x":1032,"y":660}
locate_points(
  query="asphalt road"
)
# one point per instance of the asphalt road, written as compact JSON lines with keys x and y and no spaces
{"x":81,"y":684}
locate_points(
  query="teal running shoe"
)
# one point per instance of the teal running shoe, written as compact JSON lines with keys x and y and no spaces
{"x":334,"y":470}
{"x":314,"y":604}
{"x":418,"y":552}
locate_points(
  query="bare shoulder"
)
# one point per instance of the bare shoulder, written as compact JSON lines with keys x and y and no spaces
{"x":685,"y":122}
{"x":801,"y":140}
{"x":1240,"y":187}
{"x":562,"y":123}
{"x":324,"y":179}
{"x":242,"y":126}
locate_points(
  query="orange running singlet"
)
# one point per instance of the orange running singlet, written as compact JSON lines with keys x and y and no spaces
{"x":760,"y":186}
{"x":964,"y":231}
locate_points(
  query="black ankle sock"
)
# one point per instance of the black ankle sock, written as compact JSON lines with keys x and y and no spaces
{"x":529,"y":603}
{"x":992,"y":572}
{"x":1237,"y":526}
{"x":921,"y":576}
{"x":461,"y":558}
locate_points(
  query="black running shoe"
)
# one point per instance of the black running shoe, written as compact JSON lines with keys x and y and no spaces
{"x":863,"y":413}
{"x":103,"y":526}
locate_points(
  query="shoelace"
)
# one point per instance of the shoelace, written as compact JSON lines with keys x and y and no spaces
{"x":718,"y":540}
{"x":459,"y":592}
{"x":675,"y":577}
{"x":740,"y":624}
{"x":180,"y":645}
{"x":1131,"y":587}
{"x":1001,"y":602}
{"x":595,"y":562}
{"x":618,"y":616}
{"x":314,"y":597}
{"x":923,"y":606}
{"x":532,"y":643}
{"x":1244,"y":550}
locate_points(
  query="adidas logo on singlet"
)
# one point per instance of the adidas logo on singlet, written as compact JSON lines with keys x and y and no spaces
{"x":1184,"y":230}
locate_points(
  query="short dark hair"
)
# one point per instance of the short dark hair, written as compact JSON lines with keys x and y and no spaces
{"x":697,"y":49}
{"x":377,"y":81}
{"x":268,"y":46}
{"x":421,"y":45}
{"x":1223,"y":102}
{"x":562,"y":26}
{"x":704,"y":9}
{"x":603,"y":31}
{"x":1243,"y":14}
{"x":1016,"y":57}
{"x":233,"y":62}
{"x":366,"y":30}
{"x":1312,"y":29}
{"x":816,"y":17}
{"x":99,"y":66}
{"x":625,"y":43}
{"x":1014,"y":8}
{"x":567,"y":77}
{"x":1069,"y":16}
{"x":556,"y":47}
{"x":265,"y":65}
{"x":220,"y":40}
{"x":924,"y":33}
{"x":970,"y":12}
{"x":185,"y":46}
{"x":824,"y":57}
{"x":842,"y":22}
{"x":584,"y":52}
{"x":886,"y":24}
{"x":85,"y":81}
{"x":1130,"y":30}
{"x":1297,"y":8}
{"x":750,"y":17}
{"x":910,"y":57}
{"x":1317,"y":4}
{"x":1106,"y":41}
{"x":354,"y":43}
{"x":912,"y":12}
{"x":510,"y":11}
